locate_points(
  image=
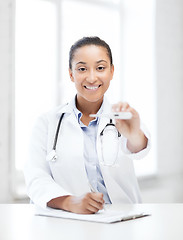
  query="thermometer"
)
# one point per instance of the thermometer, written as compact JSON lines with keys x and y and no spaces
{"x":114,"y":115}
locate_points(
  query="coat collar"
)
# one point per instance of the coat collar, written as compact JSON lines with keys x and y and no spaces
{"x":69,"y":112}
{"x":68,"y":108}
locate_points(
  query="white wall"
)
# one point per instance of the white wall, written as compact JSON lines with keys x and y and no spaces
{"x":170,"y":84}
{"x":167,"y":186}
{"x":6,"y":33}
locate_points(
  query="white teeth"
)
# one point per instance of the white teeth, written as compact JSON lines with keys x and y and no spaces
{"x":92,"y":88}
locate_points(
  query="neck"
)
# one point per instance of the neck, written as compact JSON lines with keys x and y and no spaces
{"x":88,"y":107}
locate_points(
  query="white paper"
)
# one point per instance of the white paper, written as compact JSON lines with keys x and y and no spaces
{"x":103,"y":216}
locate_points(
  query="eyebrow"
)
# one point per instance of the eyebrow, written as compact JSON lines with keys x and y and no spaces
{"x":96,"y":62}
{"x":80,"y":63}
{"x":101,"y":61}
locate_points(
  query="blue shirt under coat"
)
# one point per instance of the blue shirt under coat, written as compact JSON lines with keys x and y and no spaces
{"x":92,"y":166}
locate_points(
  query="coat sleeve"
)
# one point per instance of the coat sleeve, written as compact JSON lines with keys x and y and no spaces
{"x":41,"y":187}
{"x":142,"y":153}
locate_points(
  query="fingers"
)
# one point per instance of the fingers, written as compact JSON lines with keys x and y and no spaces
{"x":98,"y":197}
{"x":94,"y":202}
{"x":124,"y":107}
{"x":120,"y":107}
{"x":86,"y":204}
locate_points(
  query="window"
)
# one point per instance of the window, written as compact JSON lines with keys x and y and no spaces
{"x":35,"y":71}
{"x":44,"y":32}
{"x":139,"y":70}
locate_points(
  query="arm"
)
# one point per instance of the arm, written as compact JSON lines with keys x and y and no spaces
{"x":86,"y":204}
{"x":41,"y":187}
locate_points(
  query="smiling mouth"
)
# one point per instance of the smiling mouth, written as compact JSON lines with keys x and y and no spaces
{"x":92,"y":87}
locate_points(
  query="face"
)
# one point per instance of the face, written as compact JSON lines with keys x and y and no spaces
{"x":91,"y":72}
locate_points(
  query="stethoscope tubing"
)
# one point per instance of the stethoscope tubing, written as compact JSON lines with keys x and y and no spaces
{"x":52,"y":155}
{"x":57,"y":132}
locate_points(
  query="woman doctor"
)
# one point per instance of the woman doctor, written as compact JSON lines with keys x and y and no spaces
{"x":78,"y":180}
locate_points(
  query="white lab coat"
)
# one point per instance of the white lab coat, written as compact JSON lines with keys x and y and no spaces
{"x":67,"y":175}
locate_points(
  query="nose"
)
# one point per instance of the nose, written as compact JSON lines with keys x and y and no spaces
{"x":92,"y":76}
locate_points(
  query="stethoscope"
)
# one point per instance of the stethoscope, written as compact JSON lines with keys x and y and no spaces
{"x":109,"y":148}
{"x":52,"y":156}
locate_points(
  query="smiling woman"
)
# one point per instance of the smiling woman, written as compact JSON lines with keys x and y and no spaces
{"x":50,"y":184}
{"x":93,"y":74}
{"x":91,"y":71}
{"x":42,"y":45}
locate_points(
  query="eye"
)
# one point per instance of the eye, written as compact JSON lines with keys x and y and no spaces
{"x":81,"y":69}
{"x":100,"y":68}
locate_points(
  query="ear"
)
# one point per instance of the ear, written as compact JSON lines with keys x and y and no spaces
{"x":71,"y":75}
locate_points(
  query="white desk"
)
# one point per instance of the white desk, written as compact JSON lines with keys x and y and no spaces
{"x":18,"y":222}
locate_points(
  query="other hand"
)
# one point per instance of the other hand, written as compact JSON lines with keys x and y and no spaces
{"x":85,"y":204}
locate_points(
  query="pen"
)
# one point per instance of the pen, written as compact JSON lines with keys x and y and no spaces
{"x":91,"y":188}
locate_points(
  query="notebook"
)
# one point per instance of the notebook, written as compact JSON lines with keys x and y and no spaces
{"x":102,"y":216}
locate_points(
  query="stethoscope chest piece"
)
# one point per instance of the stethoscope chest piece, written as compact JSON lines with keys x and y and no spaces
{"x":109,"y":144}
{"x":51,"y":156}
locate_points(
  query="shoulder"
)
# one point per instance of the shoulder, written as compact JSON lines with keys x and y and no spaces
{"x":50,"y":116}
{"x":56,"y":111}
